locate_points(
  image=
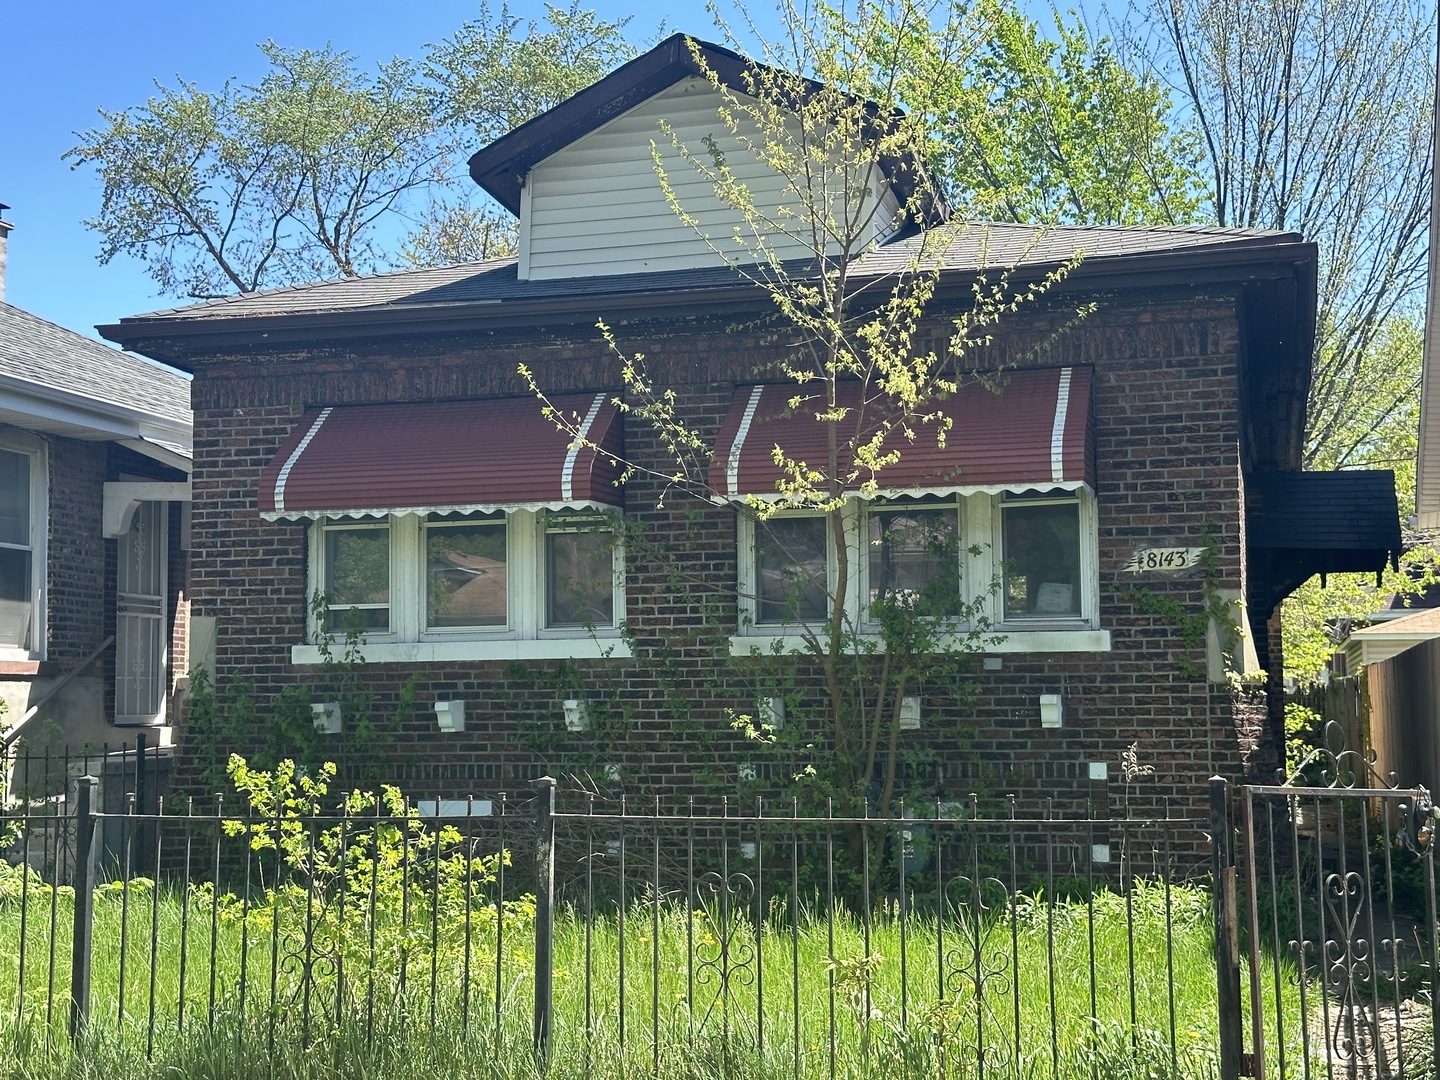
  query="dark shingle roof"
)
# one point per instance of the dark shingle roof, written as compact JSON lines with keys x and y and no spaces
{"x":1349,"y":511}
{"x":35,"y":351}
{"x":976,"y":246}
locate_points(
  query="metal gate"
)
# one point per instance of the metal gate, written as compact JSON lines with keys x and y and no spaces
{"x":140,"y":621}
{"x":1326,"y":935}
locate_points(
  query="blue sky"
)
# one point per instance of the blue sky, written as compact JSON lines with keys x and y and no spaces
{"x":63,"y":61}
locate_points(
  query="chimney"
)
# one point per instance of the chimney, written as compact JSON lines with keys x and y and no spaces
{"x":5,"y":228}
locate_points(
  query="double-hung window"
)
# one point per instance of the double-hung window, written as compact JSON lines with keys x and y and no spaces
{"x":579,"y":569}
{"x":460,"y":530}
{"x":982,"y":517}
{"x":914,"y":556}
{"x":454,"y":579}
{"x":356,"y":578}
{"x":1044,"y":552}
{"x":467,"y":579}
{"x":22,"y":546}
{"x":791,"y":579}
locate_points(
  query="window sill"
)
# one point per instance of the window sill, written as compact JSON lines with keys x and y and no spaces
{"x":19,"y":667}
{"x":1016,"y":641}
{"x":444,"y":652}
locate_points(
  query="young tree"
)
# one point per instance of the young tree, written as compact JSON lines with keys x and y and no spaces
{"x":817,"y":117}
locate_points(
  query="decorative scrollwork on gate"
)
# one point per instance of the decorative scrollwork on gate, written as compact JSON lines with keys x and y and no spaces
{"x":725,"y":954}
{"x":1348,"y":965}
{"x":1348,"y":819}
{"x":975,"y":973}
{"x":1333,"y":764}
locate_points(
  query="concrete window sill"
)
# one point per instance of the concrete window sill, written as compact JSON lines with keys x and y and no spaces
{"x":1016,"y":641}
{"x":446,"y":652}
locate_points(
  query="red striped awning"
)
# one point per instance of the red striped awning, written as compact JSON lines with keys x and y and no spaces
{"x":1036,"y":433}
{"x":372,"y":460}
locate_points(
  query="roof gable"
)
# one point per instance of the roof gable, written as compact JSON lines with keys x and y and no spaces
{"x":502,"y":167}
{"x":597,"y":207}
{"x":582,"y":177}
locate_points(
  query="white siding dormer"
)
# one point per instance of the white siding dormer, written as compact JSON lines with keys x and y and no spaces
{"x":596,"y":207}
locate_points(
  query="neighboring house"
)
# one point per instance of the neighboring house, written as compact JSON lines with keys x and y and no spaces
{"x":1400,"y":661}
{"x":94,"y":485}
{"x":371,"y":439}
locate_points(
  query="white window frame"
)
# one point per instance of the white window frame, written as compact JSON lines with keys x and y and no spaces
{"x":540,"y":591}
{"x":32,"y":447}
{"x":749,"y":593}
{"x":958,"y":505}
{"x":329,"y":527}
{"x":978,"y":521}
{"x":524,"y":635}
{"x":423,"y":630}
{"x":1089,"y":616}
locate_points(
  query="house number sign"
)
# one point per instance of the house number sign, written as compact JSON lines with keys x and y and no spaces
{"x":1178,"y":558}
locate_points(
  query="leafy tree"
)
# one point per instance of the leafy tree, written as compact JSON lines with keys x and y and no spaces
{"x":1380,"y":431}
{"x":314,"y":171}
{"x":281,"y":182}
{"x":1044,"y":130}
{"x":498,"y":71}
{"x":1315,"y":116}
{"x":1379,"y":428}
{"x":456,"y":228}
{"x":492,"y":75}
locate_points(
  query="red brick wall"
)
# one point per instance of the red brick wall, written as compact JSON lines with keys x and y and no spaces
{"x":1168,"y":475}
{"x":76,"y":551}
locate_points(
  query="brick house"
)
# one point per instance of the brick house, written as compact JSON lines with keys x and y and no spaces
{"x":372,"y":440}
{"x":94,"y":483}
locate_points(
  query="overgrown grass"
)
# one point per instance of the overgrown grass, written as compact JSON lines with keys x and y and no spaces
{"x":702,"y":996}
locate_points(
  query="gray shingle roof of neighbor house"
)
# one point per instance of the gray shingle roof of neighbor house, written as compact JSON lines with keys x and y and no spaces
{"x":41,"y":358}
{"x":1424,"y":622}
{"x":973,"y":247}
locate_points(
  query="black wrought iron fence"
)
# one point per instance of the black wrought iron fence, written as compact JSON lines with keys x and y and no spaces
{"x":968,"y":938}
{"x":1327,"y":940}
{"x":663,"y":940}
{"x":954,"y":938}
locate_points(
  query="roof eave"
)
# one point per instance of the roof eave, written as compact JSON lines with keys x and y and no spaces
{"x":95,"y":419}
{"x":167,"y":338}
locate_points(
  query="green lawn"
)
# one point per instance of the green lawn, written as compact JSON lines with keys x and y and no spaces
{"x":390,"y":997}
